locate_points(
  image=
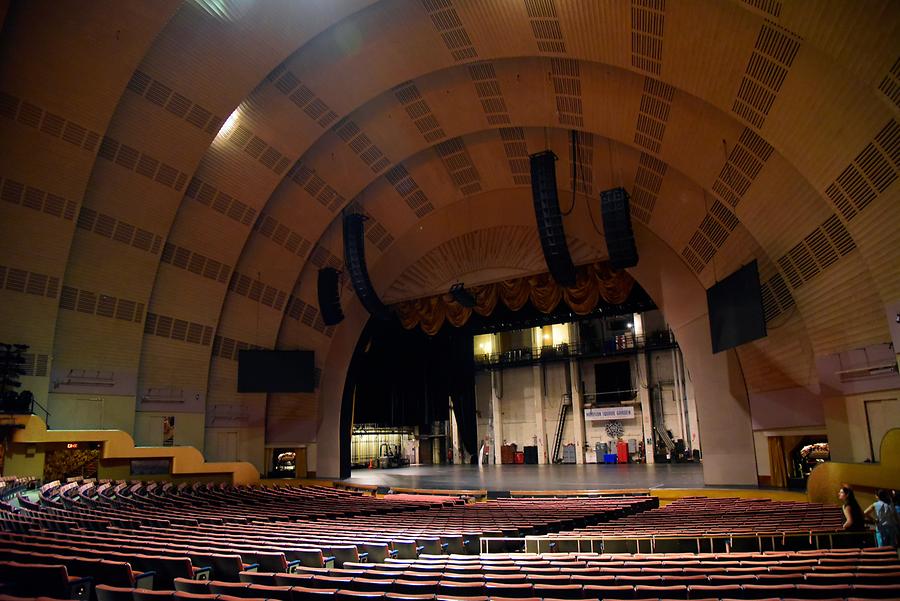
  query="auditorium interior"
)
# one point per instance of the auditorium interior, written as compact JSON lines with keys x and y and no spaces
{"x":449,"y":300}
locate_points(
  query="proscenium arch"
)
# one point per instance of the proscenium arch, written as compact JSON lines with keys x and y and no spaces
{"x":720,"y":390}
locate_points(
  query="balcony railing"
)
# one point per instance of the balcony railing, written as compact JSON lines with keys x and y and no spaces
{"x":624,"y":344}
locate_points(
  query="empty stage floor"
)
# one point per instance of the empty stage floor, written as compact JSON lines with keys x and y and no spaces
{"x":534,"y":477}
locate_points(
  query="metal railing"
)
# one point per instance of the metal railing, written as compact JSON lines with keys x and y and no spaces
{"x":619,"y":345}
{"x":709,"y":543}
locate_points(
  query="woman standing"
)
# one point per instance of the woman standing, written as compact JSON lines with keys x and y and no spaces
{"x":853,"y":514}
{"x":884,"y":515}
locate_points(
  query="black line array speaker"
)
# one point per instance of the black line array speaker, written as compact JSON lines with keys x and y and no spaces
{"x":329,"y":296}
{"x":355,"y":265}
{"x":549,"y":218}
{"x":614,"y":204}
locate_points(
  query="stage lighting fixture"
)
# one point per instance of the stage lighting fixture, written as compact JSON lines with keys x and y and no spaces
{"x":461,"y":295}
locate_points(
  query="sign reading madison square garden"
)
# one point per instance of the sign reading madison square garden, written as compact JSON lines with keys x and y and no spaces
{"x":607,"y":413}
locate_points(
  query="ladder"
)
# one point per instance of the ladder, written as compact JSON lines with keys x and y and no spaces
{"x":666,"y":439}
{"x":564,"y":406}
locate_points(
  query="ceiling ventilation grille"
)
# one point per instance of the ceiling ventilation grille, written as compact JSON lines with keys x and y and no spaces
{"x":118,"y":231}
{"x":769,"y":7}
{"x":418,"y":110}
{"x":182,"y":258}
{"x":305,"y":177}
{"x":409,"y":190}
{"x":36,"y":199}
{"x":227,"y":348}
{"x":566,"y":76}
{"x":34,"y":116}
{"x":584,"y":162}
{"x":270,"y":228}
{"x":487,"y":86}
{"x":890,"y":85}
{"x":744,"y":163}
{"x":647,"y":183}
{"x":220,"y":202}
{"x":361,"y":145}
{"x":143,"y":164}
{"x":85,"y":301}
{"x":183,"y":108}
{"x":259,"y":149}
{"x":303,"y":98}
{"x":869,"y":174}
{"x":459,"y":165}
{"x":308,"y":315}
{"x":447,"y":23}
{"x":712,"y":233}
{"x":656,"y":102}
{"x":513,"y":139}
{"x":177,"y":329}
{"x":545,"y":26}
{"x":820,"y":249}
{"x":772,"y":57}
{"x":776,"y":297}
{"x":648,"y":19}
{"x":257,"y":291}
{"x":28,"y":282}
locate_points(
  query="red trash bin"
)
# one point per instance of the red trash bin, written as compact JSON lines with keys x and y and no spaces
{"x":520,"y":456}
{"x":622,"y":451}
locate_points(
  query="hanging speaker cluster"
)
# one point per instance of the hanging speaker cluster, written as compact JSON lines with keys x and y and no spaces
{"x":549,"y":218}
{"x":614,"y":204}
{"x":461,"y":295}
{"x":355,"y":265}
{"x":329,"y":296}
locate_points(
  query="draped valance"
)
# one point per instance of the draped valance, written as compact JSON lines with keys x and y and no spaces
{"x":593,"y":282}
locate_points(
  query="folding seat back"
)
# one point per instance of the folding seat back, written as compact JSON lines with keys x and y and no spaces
{"x":106,"y":592}
{"x":35,"y":579}
{"x":142,"y":594}
{"x":189,"y":585}
{"x":282,"y":593}
{"x":272,"y":561}
{"x":235,"y":589}
{"x":312,"y":558}
{"x":406,"y":549}
{"x":344,"y":553}
{"x":377,"y":552}
{"x":351,"y":595}
{"x":454,"y":544}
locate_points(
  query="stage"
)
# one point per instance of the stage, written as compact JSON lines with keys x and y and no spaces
{"x":535,"y":477}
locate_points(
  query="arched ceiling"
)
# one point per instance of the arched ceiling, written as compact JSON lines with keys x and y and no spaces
{"x":153,"y":234}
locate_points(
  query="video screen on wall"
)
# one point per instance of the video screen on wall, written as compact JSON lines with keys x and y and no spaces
{"x":736,"y":313}
{"x":276,"y":371}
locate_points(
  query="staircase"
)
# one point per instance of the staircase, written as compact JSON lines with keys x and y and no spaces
{"x":564,"y":406}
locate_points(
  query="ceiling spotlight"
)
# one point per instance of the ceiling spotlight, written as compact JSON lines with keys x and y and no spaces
{"x":461,"y":295}
{"x":629,"y":325}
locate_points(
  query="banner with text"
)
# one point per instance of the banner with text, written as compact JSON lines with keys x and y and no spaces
{"x":608,"y":413}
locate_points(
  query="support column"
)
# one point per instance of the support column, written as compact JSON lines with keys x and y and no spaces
{"x":496,"y":413}
{"x":541,"y":433}
{"x":577,"y":410}
{"x":643,"y":386}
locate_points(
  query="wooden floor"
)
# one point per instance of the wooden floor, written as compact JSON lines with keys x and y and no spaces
{"x":535,"y":477}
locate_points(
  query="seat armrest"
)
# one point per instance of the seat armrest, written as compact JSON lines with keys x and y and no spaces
{"x":293,"y":565}
{"x":80,"y":588}
{"x":420,"y":548}
{"x":394,"y":553}
{"x":144,"y":579}
{"x":444,"y":546}
{"x":363,"y":557}
{"x":251,"y":567}
{"x":202,"y":573}
{"x":328,"y":560}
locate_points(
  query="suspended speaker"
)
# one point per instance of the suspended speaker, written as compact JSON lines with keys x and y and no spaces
{"x":329,"y":296}
{"x":461,"y":295}
{"x":355,"y":265}
{"x":549,"y":218}
{"x":617,"y":226}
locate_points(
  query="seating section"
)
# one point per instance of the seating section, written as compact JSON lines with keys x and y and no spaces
{"x":124,"y":541}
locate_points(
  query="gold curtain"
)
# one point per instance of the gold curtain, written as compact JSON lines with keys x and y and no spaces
{"x":592,"y":282}
{"x":777,"y":463}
